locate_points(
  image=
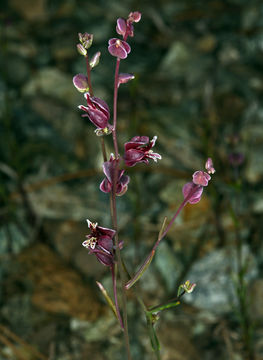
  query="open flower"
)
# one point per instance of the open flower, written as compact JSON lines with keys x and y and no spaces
{"x":193,"y":190}
{"x":201,"y":178}
{"x":100,"y":243}
{"x":122,"y":180}
{"x":139,"y":149}
{"x":97,"y":111}
{"x":119,"y":48}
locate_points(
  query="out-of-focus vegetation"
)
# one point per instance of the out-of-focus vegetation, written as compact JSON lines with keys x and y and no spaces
{"x":199,"y":87}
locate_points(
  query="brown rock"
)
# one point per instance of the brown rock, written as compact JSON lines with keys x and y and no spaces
{"x":176,"y":343}
{"x":56,"y":287}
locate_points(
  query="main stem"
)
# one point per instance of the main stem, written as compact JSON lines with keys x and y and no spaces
{"x":114,"y":211}
{"x":88,"y":73}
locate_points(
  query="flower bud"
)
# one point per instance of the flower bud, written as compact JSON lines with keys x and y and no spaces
{"x":80,"y":82}
{"x":81,"y":50}
{"x":121,"y":27}
{"x":209,"y":166}
{"x":187,"y":287}
{"x":95,"y":60}
{"x":124,"y":78}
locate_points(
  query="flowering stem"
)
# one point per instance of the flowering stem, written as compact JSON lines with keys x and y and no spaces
{"x":88,"y":74}
{"x":103,"y":149}
{"x":162,"y":234}
{"x":114,"y":131}
{"x":114,"y":211}
{"x":113,"y":274}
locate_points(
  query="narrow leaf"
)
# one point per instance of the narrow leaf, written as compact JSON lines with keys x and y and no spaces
{"x":108,"y":299}
{"x":153,"y":337}
{"x":161,"y":307}
{"x":141,"y":270}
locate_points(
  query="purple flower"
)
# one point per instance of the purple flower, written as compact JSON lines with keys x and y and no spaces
{"x":139,"y":149}
{"x":119,"y":48}
{"x":100,"y":243}
{"x":97,"y":111}
{"x":193,"y":190}
{"x":107,"y":183}
{"x":201,"y":178}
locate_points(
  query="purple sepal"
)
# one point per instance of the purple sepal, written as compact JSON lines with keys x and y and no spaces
{"x":193,"y":191}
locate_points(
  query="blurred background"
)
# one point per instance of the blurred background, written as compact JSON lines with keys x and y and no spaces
{"x":199,"y":88}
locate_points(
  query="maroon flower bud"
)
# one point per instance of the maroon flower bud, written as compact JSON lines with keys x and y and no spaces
{"x":122,"y":180}
{"x":124,"y":78}
{"x":121,"y":27}
{"x":139,"y":149}
{"x":80,"y":82}
{"x":86,"y":40}
{"x":100,"y":243}
{"x":119,"y":48}
{"x":97,"y":111}
{"x":95,"y":60}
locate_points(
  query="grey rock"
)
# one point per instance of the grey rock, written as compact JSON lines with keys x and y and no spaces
{"x":168,"y":265}
{"x":214,"y":275}
{"x":54,"y":83}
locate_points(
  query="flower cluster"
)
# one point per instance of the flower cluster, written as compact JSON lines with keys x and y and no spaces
{"x":193,"y":190}
{"x":120,"y":48}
